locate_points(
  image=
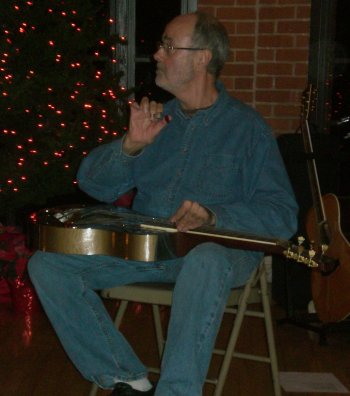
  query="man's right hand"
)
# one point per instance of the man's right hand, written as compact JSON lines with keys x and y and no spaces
{"x":144,"y":125}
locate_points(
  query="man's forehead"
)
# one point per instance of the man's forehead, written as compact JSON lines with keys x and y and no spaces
{"x":179,"y":28}
{"x":176,"y":38}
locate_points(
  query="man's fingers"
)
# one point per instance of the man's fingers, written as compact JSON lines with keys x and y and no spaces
{"x":151,"y":109}
{"x":156,"y":110}
{"x":191,"y":215}
{"x":145,"y":105}
{"x":181,"y":211}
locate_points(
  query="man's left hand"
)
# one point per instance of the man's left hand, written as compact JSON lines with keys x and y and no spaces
{"x":192,"y":215}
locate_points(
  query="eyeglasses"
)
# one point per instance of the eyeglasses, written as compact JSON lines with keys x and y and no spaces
{"x":170,"y":49}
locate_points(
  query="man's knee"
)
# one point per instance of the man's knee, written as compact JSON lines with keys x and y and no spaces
{"x":211,"y":254}
{"x":208,"y":260}
{"x":207,"y":250}
{"x":37,"y":265}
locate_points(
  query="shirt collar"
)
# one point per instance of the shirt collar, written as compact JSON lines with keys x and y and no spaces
{"x":208,"y":111}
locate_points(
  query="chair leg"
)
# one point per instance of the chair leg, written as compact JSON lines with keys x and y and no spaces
{"x":234,"y":336}
{"x":270,"y":334}
{"x":93,"y":390}
{"x":120,"y":313}
{"x":158,"y":329}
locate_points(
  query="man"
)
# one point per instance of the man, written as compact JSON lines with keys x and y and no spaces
{"x":205,"y":159}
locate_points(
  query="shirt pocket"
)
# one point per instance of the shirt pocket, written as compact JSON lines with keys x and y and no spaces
{"x":219,"y":177}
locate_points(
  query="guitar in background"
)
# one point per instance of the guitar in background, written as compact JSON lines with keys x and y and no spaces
{"x":326,"y":224}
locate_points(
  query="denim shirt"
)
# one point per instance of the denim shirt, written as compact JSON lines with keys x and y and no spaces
{"x":224,"y":157}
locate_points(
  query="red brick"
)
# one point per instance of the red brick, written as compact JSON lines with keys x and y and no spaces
{"x":295,"y":54}
{"x":275,"y":69}
{"x":301,"y":69}
{"x":242,"y":69}
{"x":293,"y":26}
{"x":216,"y":2}
{"x":286,"y":111}
{"x":230,"y":26}
{"x":244,"y":56}
{"x":276,"y":41}
{"x":294,"y":2}
{"x":243,"y":83}
{"x":281,"y":125}
{"x":290,"y":82}
{"x":302,"y":41}
{"x":264,"y":82}
{"x":231,"y":56}
{"x":267,"y":27}
{"x":246,"y":2}
{"x":264,"y":109}
{"x":276,"y":13}
{"x":245,"y":28}
{"x":245,"y":96}
{"x":246,"y":42}
{"x":303,"y":12}
{"x":273,"y":95}
{"x":236,"y":13}
{"x":266,"y":54}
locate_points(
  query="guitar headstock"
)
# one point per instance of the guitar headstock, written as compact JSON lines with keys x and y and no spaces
{"x":311,"y":259}
{"x":308,"y":102}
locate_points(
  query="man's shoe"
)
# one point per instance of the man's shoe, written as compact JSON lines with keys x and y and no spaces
{"x":123,"y":389}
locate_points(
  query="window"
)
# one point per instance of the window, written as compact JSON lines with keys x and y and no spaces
{"x":142,"y":22}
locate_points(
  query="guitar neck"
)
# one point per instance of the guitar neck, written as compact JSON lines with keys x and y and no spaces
{"x":185,"y":241}
{"x":313,"y":177}
{"x":318,"y":206}
{"x":228,"y":238}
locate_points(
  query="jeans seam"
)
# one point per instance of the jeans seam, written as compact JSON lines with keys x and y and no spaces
{"x":106,"y":335}
{"x":204,"y":334}
{"x":212,"y":317}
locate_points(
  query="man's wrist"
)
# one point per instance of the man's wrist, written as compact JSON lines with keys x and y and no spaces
{"x":130,"y":149}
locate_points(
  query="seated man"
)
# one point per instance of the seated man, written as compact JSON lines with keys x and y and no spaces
{"x":203,"y":159}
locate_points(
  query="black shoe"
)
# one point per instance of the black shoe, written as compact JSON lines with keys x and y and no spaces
{"x":122,"y":389}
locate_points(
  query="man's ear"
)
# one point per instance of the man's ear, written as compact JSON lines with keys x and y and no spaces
{"x":203,"y":58}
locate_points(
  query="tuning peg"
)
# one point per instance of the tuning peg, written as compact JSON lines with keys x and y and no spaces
{"x":311,"y":262}
{"x":301,"y":240}
{"x":324,"y":248}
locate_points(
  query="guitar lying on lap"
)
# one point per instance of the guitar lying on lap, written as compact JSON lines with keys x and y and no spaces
{"x":114,"y":231}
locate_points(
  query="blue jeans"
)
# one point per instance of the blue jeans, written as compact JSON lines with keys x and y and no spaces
{"x":67,"y":285}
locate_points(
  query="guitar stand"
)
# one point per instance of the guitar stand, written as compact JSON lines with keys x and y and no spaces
{"x":311,"y":322}
{"x":306,"y":320}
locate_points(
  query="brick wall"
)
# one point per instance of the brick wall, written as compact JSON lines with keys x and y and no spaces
{"x":268,"y":63}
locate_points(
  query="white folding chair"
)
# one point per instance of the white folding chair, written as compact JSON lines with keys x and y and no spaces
{"x":255,"y":291}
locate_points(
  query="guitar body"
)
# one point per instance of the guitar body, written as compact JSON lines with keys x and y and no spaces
{"x":331,"y":292}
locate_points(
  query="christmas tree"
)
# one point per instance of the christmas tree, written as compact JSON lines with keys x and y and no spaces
{"x":59,"y":95}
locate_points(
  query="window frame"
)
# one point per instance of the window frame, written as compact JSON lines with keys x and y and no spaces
{"x":123,"y":12}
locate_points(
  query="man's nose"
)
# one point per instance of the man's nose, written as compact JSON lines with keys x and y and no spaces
{"x":159,"y":54}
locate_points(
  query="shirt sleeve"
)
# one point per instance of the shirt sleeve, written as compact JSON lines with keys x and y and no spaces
{"x":106,"y":172}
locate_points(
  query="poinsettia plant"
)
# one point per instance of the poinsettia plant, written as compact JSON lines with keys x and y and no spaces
{"x":14,"y":253}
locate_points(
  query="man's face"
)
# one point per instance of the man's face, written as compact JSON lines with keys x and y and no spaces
{"x":175,"y":67}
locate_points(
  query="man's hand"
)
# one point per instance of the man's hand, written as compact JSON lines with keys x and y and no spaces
{"x":144,"y":125}
{"x":191,"y":215}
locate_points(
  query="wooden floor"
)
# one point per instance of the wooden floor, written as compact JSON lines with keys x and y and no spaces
{"x":32,"y":362}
